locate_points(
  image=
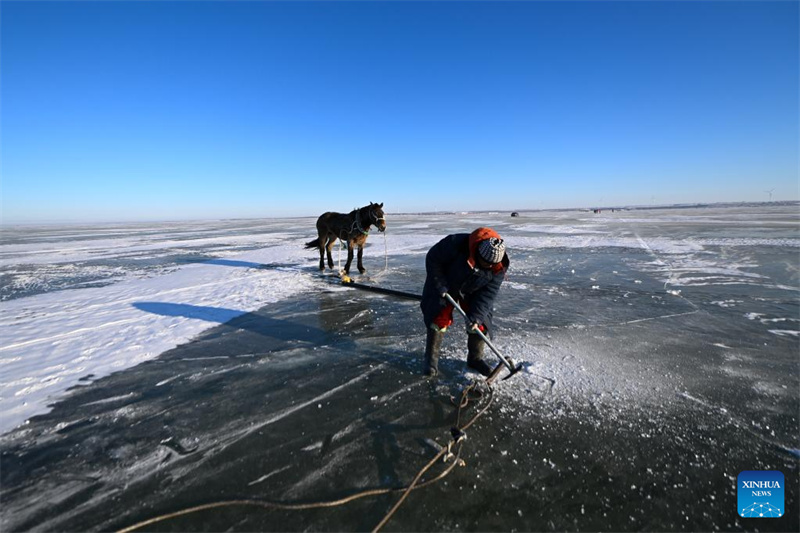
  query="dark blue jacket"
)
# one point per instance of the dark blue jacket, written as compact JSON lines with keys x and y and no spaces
{"x":448,"y":270}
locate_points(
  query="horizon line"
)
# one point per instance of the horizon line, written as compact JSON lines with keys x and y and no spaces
{"x":621,"y":207}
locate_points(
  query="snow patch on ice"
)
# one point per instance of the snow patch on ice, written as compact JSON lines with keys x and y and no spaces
{"x":560,"y":229}
{"x":785,"y":332}
{"x":267,"y":476}
{"x":40,"y":334}
{"x":726,"y":303}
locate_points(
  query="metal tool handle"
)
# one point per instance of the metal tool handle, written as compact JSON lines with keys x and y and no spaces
{"x":507,"y":361}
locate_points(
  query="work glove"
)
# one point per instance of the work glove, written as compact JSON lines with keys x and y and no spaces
{"x":473,"y":327}
{"x":443,"y":296}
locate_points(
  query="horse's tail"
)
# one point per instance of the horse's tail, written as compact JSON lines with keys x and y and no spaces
{"x":313,"y":244}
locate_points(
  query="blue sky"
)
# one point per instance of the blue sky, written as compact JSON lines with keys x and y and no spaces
{"x":171,"y":110}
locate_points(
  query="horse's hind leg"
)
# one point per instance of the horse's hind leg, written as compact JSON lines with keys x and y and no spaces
{"x":321,"y":246}
{"x":360,"y":255}
{"x":321,"y":255}
{"x":328,"y":246}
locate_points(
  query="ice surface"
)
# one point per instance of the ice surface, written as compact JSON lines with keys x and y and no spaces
{"x":145,"y":368}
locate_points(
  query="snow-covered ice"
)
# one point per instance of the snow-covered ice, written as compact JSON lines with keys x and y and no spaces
{"x":630,"y":325}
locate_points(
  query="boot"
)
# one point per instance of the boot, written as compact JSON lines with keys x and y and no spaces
{"x":475,"y":355}
{"x":432,"y":345}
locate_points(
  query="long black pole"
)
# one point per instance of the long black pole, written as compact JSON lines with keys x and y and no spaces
{"x":372,"y":288}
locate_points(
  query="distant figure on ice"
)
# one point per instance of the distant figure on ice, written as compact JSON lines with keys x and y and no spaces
{"x":470,"y":267}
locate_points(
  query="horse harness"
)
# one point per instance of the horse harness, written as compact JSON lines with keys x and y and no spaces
{"x":357,"y":227}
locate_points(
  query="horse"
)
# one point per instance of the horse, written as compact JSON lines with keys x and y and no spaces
{"x":352,"y":228}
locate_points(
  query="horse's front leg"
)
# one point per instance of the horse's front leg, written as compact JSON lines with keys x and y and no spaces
{"x":360,"y":255}
{"x":349,"y":258}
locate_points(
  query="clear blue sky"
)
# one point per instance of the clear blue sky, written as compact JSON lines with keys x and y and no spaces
{"x":160,"y":110}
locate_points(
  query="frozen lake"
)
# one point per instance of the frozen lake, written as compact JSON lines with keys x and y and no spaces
{"x":146,"y":368}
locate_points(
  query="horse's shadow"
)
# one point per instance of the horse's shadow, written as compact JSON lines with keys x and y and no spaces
{"x":255,"y":322}
{"x":209,"y":314}
{"x":240,"y":264}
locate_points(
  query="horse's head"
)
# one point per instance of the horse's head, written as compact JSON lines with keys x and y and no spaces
{"x":376,"y":216}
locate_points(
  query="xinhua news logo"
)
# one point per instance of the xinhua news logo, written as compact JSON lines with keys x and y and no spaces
{"x":760,"y":494}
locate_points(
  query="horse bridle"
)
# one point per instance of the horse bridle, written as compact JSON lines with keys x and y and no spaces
{"x":374,"y":217}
